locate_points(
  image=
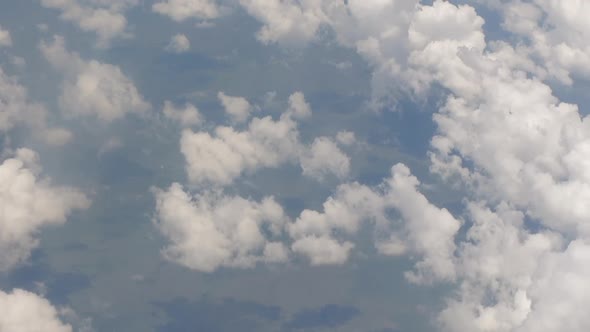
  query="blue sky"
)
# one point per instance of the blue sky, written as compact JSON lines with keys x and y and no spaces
{"x":266,"y":165}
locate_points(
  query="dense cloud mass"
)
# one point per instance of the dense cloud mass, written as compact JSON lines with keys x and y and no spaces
{"x":511,"y":138}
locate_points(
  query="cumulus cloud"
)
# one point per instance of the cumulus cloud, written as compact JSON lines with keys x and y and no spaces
{"x":91,"y":87}
{"x":211,"y":230}
{"x":23,"y":311}
{"x":187,"y":116}
{"x":178,"y":44}
{"x":5,"y":39}
{"x":17,"y":110}
{"x":180,"y":10}
{"x":238,"y":108}
{"x":29,"y":203}
{"x":424,"y":231}
{"x":220,"y":157}
{"x":103,"y":17}
{"x":324,"y":158}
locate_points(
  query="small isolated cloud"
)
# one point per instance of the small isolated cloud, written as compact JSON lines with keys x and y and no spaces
{"x":178,"y":44}
{"x":23,"y":311}
{"x":238,"y":108}
{"x":29,"y":203}
{"x":5,"y":39}
{"x":17,"y":110}
{"x":324,"y":158}
{"x":187,"y":116}
{"x":92,"y":88}
{"x":211,"y":230}
{"x":180,"y":10}
{"x":346,"y":137}
{"x":105,"y":17}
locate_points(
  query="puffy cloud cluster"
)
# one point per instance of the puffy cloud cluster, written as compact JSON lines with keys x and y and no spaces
{"x":221,"y":157}
{"x":27,"y":204}
{"x":17,"y":110}
{"x":23,"y":311}
{"x":180,"y":10}
{"x":556,"y":32}
{"x":211,"y":230}
{"x":519,"y":151}
{"x":91,"y":87}
{"x":103,"y":17}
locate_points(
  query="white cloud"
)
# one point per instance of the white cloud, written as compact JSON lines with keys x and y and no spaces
{"x":324,"y":158}
{"x":178,"y":44}
{"x":426,"y":229}
{"x":5,"y":39}
{"x":91,"y":87}
{"x":17,"y":110}
{"x":180,"y":10}
{"x":211,"y":230}
{"x":238,"y":108}
{"x":23,"y":311}
{"x":346,"y":137}
{"x":29,"y":203}
{"x":187,"y":116}
{"x":225,"y":155}
{"x":103,"y":17}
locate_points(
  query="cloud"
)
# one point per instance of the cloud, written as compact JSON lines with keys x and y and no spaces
{"x":103,"y":17}
{"x":17,"y":110}
{"x":5,"y":39}
{"x":211,"y":230}
{"x":29,"y":203}
{"x":187,"y":116}
{"x":324,"y":158}
{"x":220,"y":157}
{"x":92,"y":88}
{"x":180,"y":10}
{"x":24,"y":311}
{"x":178,"y":44}
{"x":238,"y":108}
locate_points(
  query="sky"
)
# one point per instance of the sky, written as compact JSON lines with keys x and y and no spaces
{"x":294,"y":165}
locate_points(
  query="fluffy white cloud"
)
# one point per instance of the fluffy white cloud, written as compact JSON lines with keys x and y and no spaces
{"x":17,"y":110}
{"x":91,"y":87}
{"x":5,"y":39}
{"x":346,"y":137}
{"x":425,"y":231}
{"x":211,"y":230}
{"x":28,"y":203}
{"x":324,"y":158}
{"x":187,"y":116}
{"x":238,"y":108}
{"x":180,"y":10}
{"x":178,"y":44}
{"x":221,"y":157}
{"x":23,"y":311}
{"x":225,"y":155}
{"x":103,"y":17}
